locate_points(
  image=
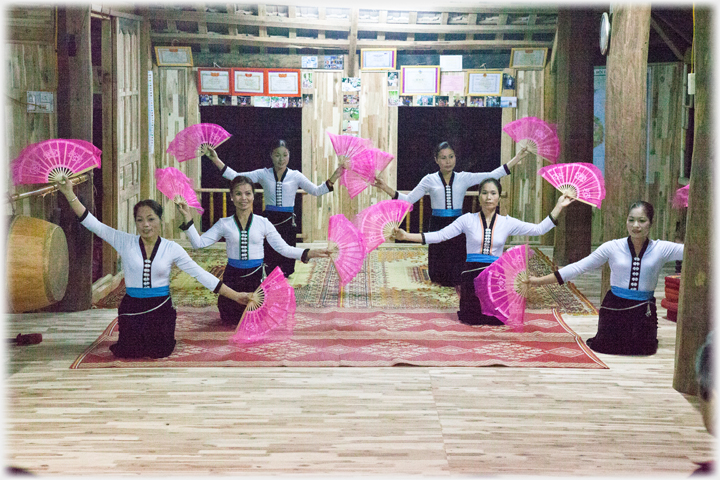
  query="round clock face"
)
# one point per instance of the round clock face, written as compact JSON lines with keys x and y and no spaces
{"x":604,"y":33}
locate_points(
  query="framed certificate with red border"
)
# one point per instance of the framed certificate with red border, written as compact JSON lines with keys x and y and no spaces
{"x":249,"y":81}
{"x":283,"y":82}
{"x":214,"y":81}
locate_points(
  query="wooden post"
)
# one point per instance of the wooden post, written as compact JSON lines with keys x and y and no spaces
{"x":75,"y":111}
{"x":352,"y":65}
{"x":625,"y":119}
{"x":574,"y":103}
{"x":694,"y":310}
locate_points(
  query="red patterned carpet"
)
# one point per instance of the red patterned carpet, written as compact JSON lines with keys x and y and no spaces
{"x":363,"y":337}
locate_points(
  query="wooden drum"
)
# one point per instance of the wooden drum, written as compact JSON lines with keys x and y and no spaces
{"x":36,"y":264}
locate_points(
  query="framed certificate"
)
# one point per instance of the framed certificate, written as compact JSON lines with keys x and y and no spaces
{"x":378,"y":58}
{"x":173,"y":56}
{"x":283,"y":82}
{"x":420,"y":80}
{"x":484,"y":83}
{"x":214,"y":81}
{"x":528,"y":58}
{"x":249,"y":81}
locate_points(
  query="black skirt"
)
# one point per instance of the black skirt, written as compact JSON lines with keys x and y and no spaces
{"x":285,"y":224}
{"x":446,"y":260}
{"x":626,"y":327}
{"x":146,"y":327}
{"x":470,"y":312}
{"x":240,"y":280}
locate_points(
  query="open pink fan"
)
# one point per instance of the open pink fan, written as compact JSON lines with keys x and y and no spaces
{"x":582,"y":181}
{"x":499,"y":287}
{"x":52,"y":160}
{"x":537,"y":135}
{"x":348,"y":247}
{"x":188,"y":143}
{"x":173,"y":182}
{"x":349,"y":146}
{"x":270,"y":313}
{"x":357,"y":181}
{"x":681,"y":197}
{"x":377,"y":221}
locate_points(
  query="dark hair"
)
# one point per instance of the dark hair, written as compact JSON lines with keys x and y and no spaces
{"x":241,"y":180}
{"x":441,"y":147}
{"x":491,"y":180}
{"x":647,"y":207}
{"x":704,"y":370}
{"x":278,"y":144}
{"x":156,"y":207}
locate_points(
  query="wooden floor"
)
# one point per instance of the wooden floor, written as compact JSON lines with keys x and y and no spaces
{"x":340,"y":421}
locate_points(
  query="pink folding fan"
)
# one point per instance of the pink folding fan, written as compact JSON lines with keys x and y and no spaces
{"x":188,"y":143}
{"x":376,"y":222}
{"x":52,"y":160}
{"x":270,"y":314}
{"x":373,"y":161}
{"x":349,"y":146}
{"x":347,"y":246}
{"x":173,"y":182}
{"x":537,"y":135}
{"x":500,"y":289}
{"x":681,"y":197}
{"x":582,"y":181}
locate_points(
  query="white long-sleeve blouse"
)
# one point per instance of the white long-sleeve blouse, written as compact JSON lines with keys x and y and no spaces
{"x":280,"y":192}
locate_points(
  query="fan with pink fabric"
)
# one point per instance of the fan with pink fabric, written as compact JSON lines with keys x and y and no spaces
{"x":582,"y":181}
{"x":270,"y":313}
{"x":54,"y":160}
{"x":373,"y":161}
{"x":681,"y":197}
{"x":347,"y":246}
{"x":189,"y":142}
{"x":172,"y":182}
{"x":349,"y":146}
{"x":537,"y":135}
{"x":376,"y":222}
{"x":500,"y":289}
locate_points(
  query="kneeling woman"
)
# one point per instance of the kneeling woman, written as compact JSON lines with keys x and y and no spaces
{"x":627,"y":324}
{"x":146,"y":320}
{"x":244,"y":235}
{"x":486,"y":233}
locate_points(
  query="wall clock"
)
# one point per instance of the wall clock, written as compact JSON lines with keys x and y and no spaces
{"x":604,"y":33}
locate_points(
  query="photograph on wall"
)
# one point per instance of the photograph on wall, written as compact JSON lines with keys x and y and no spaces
{"x":261,"y":101}
{"x":459,"y":101}
{"x":393,"y":98}
{"x":294,"y":102}
{"x":351,"y":84}
{"x":351,"y":127}
{"x":205,"y":100}
{"x":307,"y":79}
{"x":508,"y":102}
{"x":492,"y":101}
{"x":244,"y":101}
{"x":451,"y":63}
{"x":424,"y":100}
{"x":333,"y":62}
{"x":278,"y":102}
{"x":393,"y":80}
{"x":508,"y":82}
{"x":307,"y":99}
{"x":442,"y":101}
{"x":309,"y":62}
{"x":406,"y":100}
{"x":351,"y":98}
{"x":351,"y":113}
{"x":224,"y":100}
{"x":476,"y":101}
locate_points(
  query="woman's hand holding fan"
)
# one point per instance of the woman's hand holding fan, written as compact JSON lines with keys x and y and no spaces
{"x":189,"y":143}
{"x":378,"y":222}
{"x":538,"y":136}
{"x":347,"y":248}
{"x":52,"y":160}
{"x":581,"y":181}
{"x":174,"y":183}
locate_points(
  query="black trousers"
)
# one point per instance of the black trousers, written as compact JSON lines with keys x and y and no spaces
{"x":146,"y":327}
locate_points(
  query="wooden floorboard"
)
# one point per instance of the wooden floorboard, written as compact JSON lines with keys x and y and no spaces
{"x":625,"y":420}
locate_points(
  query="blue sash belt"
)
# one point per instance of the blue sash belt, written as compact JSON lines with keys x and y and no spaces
{"x":233,"y":262}
{"x":480,"y":258}
{"x":273,"y":208}
{"x":148,"y":292}
{"x":632,"y":294}
{"x":447,"y":212}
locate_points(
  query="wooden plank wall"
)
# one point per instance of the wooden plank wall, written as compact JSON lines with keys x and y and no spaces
{"x":31,"y":65}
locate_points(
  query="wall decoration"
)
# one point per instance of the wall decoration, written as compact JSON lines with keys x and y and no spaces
{"x":378,"y":58}
{"x":508,"y":102}
{"x":508,"y":82}
{"x":476,"y":102}
{"x":492,"y":101}
{"x":459,"y":101}
{"x":205,"y":100}
{"x":307,"y":79}
{"x":393,"y":98}
{"x":452,"y":83}
{"x":283,"y":82}
{"x":484,"y":82}
{"x":351,"y":84}
{"x":307,"y":100}
{"x":406,"y":100}
{"x":310,"y":62}
{"x":442,"y":101}
{"x":173,"y":56}
{"x":294,"y":102}
{"x":261,"y":101}
{"x":214,"y":81}
{"x":333,"y":62}
{"x":248,"y":81}
{"x":424,"y":100}
{"x":451,"y":63}
{"x":351,"y":120}
{"x":528,"y":58}
{"x":244,"y":101}
{"x":351,"y":98}
{"x":278,"y":102}
{"x":393,"y":80}
{"x":420,"y":80}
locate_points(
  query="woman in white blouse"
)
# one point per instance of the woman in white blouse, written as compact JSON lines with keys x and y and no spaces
{"x":146,"y":317}
{"x":627,"y":324}
{"x":280,"y":185}
{"x":245,"y":235}
{"x":447,"y":192}
{"x":486,"y":233}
